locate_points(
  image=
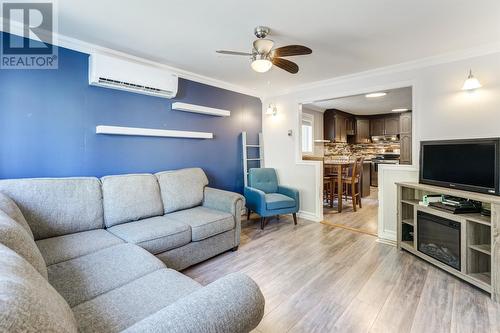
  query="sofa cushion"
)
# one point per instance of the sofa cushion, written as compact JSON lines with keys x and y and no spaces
{"x":122,"y":307}
{"x":15,"y":237}
{"x":28,"y":302}
{"x":58,"y":249}
{"x":278,"y":201}
{"x":86,"y":277}
{"x":181,"y":189}
{"x":57,"y":206}
{"x":155,"y":234}
{"x":130,"y":198}
{"x":205,"y":222}
{"x":8,"y":206}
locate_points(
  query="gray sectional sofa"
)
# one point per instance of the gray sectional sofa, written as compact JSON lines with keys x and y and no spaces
{"x":90,"y":255}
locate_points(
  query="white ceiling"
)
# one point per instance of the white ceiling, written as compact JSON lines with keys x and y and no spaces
{"x":346,"y":36}
{"x":361,"y":105}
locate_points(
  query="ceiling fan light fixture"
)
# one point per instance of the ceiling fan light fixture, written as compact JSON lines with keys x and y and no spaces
{"x":261,"y":63}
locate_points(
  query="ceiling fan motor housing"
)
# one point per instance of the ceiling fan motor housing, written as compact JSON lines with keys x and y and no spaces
{"x":261,"y":31}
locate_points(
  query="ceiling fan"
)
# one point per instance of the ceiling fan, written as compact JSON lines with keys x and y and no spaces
{"x":263,"y":55}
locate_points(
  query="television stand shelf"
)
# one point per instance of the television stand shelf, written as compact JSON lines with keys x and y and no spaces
{"x":476,"y":241}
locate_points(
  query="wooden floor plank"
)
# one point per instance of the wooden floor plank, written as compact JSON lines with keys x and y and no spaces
{"x":434,"y":310}
{"x":363,"y":310}
{"x":470,"y":310}
{"x":399,"y":309}
{"x":319,"y":278}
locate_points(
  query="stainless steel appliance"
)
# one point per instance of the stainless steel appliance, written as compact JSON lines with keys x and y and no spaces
{"x":388,"y":158}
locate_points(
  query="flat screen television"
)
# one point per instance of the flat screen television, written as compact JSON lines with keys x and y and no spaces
{"x":471,"y":165}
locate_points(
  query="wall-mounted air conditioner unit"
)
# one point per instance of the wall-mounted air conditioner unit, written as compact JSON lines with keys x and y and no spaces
{"x":117,"y":73}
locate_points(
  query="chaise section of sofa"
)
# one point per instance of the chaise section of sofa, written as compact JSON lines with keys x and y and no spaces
{"x":96,"y":263}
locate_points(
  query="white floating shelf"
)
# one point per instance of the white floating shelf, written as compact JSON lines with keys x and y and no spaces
{"x":118,"y":130}
{"x":200,"y":109}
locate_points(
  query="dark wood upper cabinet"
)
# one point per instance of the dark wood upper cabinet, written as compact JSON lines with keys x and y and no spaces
{"x":377,"y":126}
{"x":335,"y":126}
{"x":391,"y":125}
{"x":350,"y":126}
{"x":384,"y":125}
{"x":362,"y":131}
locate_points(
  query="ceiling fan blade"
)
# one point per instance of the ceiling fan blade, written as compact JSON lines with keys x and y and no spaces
{"x":233,"y":53}
{"x":291,"y":50}
{"x":263,"y":46}
{"x":287,"y":65}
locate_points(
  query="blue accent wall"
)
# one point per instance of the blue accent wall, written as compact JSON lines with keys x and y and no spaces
{"x":48,"y":120}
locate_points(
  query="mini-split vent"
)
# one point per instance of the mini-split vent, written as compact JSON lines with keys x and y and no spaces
{"x":131,"y":85}
{"x":117,"y":73}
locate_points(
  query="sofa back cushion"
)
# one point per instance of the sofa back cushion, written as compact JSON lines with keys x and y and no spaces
{"x":264,"y":179}
{"x":182,"y":189}
{"x":8,"y":206}
{"x":16,"y":238}
{"x":130,"y":198}
{"x":57,"y":206}
{"x":28,"y":302}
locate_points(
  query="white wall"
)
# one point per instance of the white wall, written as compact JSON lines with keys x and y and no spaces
{"x":441,"y":110}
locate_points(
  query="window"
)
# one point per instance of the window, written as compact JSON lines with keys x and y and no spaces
{"x":307,"y":133}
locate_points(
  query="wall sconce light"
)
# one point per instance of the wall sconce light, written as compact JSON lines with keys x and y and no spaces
{"x":272,"y":110}
{"x":471,"y":83}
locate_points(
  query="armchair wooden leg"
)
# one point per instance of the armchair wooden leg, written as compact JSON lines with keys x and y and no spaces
{"x":294,"y":218}
{"x":248,"y":213}
{"x":262,"y":220}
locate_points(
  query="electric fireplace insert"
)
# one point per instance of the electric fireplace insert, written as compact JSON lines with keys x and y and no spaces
{"x":439,"y":238}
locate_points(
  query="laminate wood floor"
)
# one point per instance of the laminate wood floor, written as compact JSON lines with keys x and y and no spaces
{"x":318,"y":278}
{"x":363,"y":219}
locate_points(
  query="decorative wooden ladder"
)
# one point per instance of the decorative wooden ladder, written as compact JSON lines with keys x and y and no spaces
{"x":246,"y":159}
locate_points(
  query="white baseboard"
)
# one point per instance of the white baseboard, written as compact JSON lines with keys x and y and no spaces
{"x":386,"y":241}
{"x":308,"y":216}
{"x":387,"y":237}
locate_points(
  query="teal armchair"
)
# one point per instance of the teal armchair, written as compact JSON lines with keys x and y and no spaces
{"x":266,"y":197}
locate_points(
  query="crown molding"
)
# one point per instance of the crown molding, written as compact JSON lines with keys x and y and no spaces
{"x":482,"y":50}
{"x":89,"y":48}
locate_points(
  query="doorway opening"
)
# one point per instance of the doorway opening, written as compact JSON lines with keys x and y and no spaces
{"x":353,"y":137}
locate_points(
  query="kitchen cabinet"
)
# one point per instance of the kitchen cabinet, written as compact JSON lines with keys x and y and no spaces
{"x":334,"y":128}
{"x":405,"y":122}
{"x":384,"y":125}
{"x":391,"y":125}
{"x":362,"y":131}
{"x":405,"y":138}
{"x":377,"y":126}
{"x":350,"y":126}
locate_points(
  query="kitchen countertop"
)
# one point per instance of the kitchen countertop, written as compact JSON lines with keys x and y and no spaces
{"x":336,"y":160}
{"x":312,"y":158}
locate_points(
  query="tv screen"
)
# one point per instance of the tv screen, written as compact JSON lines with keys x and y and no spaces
{"x":466,"y":164}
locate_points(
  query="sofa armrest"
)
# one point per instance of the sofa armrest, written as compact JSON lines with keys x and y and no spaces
{"x":290,"y":192}
{"x":228,"y":202}
{"x":231,"y":304}
{"x":225,"y":201}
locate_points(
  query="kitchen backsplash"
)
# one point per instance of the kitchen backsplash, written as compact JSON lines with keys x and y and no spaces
{"x":333,"y":150}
